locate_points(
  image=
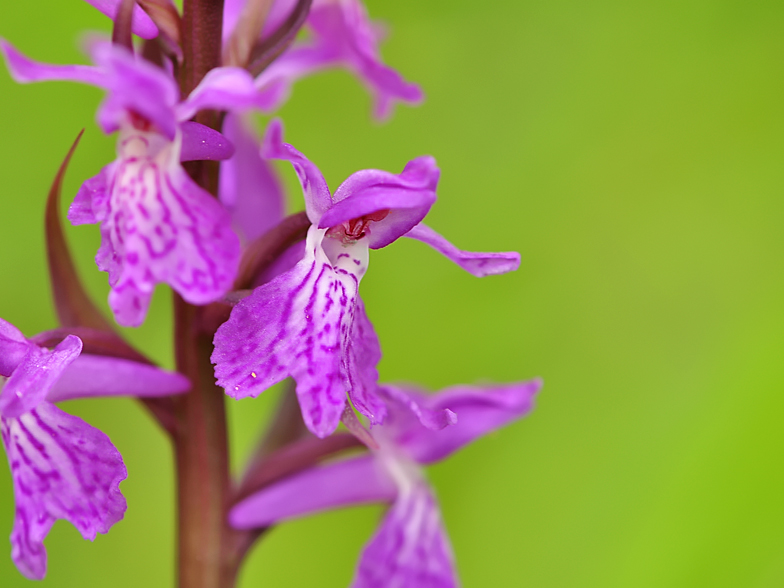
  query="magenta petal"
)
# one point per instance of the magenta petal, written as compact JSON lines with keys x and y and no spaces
{"x":223,"y":88}
{"x":479,"y":410}
{"x":24,"y":69}
{"x":94,"y":375}
{"x":298,"y":324}
{"x":410,"y":411}
{"x":477,"y":264}
{"x":160,"y":226}
{"x":314,"y":186}
{"x":407,"y":197}
{"x":134,"y":86}
{"x":36,"y":374}
{"x":200,"y":142}
{"x":142,"y":24}
{"x":361,"y":355}
{"x":91,"y":204}
{"x":249,"y":187}
{"x":359,"y":480}
{"x":410,"y":548}
{"x":62,"y":468}
{"x":13,"y":348}
{"x":343,"y":29}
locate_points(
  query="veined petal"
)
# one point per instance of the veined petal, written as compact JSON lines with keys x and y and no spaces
{"x":62,"y":468}
{"x":13,"y":348}
{"x":91,"y":203}
{"x":479,"y":410}
{"x":223,"y":88}
{"x":314,"y":186}
{"x":94,"y":375}
{"x":477,"y":264}
{"x":249,"y":187}
{"x":162,"y":227}
{"x":25,"y":70}
{"x":200,"y":142}
{"x":359,"y":480}
{"x":297,"y":325}
{"x":361,"y":354}
{"x":410,"y":548}
{"x":142,"y":24}
{"x":35,"y":375}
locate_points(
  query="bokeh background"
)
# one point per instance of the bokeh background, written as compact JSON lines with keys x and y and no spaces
{"x":633,"y":154}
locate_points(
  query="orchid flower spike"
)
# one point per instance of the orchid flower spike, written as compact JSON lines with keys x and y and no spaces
{"x":62,"y":468}
{"x":309,"y":322}
{"x":157,"y":225}
{"x":410,"y":547}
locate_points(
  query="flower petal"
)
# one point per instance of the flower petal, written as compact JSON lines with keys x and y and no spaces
{"x":25,"y":70}
{"x":477,"y":264}
{"x":249,"y":187}
{"x":410,"y":548}
{"x":223,"y":88}
{"x":314,"y":186}
{"x":91,"y":203}
{"x":297,"y":324}
{"x":13,"y":348}
{"x":134,"y":86}
{"x":142,"y":24}
{"x":62,"y":468}
{"x":162,"y":227}
{"x":94,"y":375}
{"x":35,"y":375}
{"x":361,"y":354}
{"x":359,"y":480}
{"x":200,"y":142}
{"x":343,"y":36}
{"x":407,"y":197}
{"x":479,"y":410}
{"x":344,"y":27}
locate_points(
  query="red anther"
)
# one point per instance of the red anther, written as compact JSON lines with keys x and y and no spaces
{"x":139,"y":122}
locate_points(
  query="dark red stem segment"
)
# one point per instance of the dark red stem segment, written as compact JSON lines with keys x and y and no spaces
{"x":202,"y":24}
{"x":206,"y":543}
{"x":206,"y":555}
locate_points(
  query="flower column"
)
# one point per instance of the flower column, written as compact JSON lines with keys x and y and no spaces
{"x":206,"y":544}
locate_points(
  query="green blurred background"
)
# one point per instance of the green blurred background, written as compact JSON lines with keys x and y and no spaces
{"x":633,"y":154}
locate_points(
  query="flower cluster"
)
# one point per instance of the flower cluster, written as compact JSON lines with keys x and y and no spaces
{"x":293,"y":312}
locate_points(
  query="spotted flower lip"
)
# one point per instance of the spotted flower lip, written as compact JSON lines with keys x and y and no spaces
{"x":410,"y":547}
{"x":62,"y":468}
{"x":341,"y":35}
{"x":309,"y":322}
{"x":157,"y":225}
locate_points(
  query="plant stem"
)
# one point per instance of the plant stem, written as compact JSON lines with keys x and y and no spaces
{"x":206,"y":558}
{"x":207,"y":545}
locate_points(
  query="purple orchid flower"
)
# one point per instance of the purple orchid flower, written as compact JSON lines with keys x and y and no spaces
{"x":411,"y":547}
{"x":157,"y":225}
{"x":309,"y":322}
{"x":342,"y":36}
{"x":62,"y":468}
